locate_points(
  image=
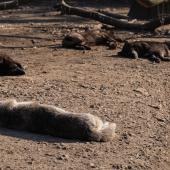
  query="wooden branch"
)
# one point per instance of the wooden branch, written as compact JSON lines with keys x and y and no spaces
{"x":149,"y":26}
{"x":67,"y":9}
{"x":8,"y":4}
{"x":113,"y":15}
{"x":12,"y":4}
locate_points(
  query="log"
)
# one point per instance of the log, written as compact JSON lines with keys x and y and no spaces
{"x":124,"y":25}
{"x":8,"y":4}
{"x":113,"y":15}
{"x":69,"y":10}
{"x":12,"y":4}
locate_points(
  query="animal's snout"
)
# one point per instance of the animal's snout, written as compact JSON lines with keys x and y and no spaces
{"x":112,"y":45}
{"x":18,"y":71}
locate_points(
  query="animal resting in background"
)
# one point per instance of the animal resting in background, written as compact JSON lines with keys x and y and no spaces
{"x":154,"y":51}
{"x":9,"y":67}
{"x":83,"y":41}
{"x":50,"y":120}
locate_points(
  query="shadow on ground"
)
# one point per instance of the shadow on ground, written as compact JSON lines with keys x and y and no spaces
{"x":35,"y":137}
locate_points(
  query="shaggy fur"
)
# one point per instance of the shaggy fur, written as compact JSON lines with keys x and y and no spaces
{"x":154,"y":51}
{"x":9,"y":67}
{"x":83,"y":41}
{"x":47,"y":119}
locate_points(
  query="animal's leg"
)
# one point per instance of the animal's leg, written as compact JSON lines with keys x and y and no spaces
{"x":164,"y":55}
{"x":154,"y":58}
{"x":164,"y":58}
{"x":135,"y":54}
{"x":82,"y":47}
{"x":98,"y":129}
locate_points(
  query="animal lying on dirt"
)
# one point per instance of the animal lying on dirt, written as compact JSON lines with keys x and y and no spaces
{"x":154,"y":51}
{"x":9,"y":67}
{"x":84,"y":40}
{"x":50,"y":120}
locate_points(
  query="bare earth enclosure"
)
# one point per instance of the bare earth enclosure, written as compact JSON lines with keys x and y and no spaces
{"x":134,"y":94}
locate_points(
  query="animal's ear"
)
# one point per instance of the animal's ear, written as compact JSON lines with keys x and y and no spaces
{"x":19,"y":65}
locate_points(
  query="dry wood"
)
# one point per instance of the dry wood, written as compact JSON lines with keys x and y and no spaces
{"x":8,"y":4}
{"x":149,"y":26}
{"x":113,"y":15}
{"x":11,"y":4}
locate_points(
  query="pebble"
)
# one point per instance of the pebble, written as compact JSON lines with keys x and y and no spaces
{"x":142,"y":91}
{"x":64,"y":157}
{"x":92,"y":165}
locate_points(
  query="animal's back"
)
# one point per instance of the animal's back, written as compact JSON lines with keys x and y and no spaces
{"x":54,"y":121}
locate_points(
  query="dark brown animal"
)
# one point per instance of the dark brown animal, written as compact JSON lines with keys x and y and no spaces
{"x":50,"y":120}
{"x":84,"y":40}
{"x":154,"y":51}
{"x":9,"y":67}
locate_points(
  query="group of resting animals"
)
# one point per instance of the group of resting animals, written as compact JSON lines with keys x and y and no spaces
{"x":154,"y":51}
{"x":51,"y":120}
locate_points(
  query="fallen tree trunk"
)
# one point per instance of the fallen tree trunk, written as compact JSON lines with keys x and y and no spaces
{"x":8,"y":4}
{"x":12,"y":4}
{"x":149,"y":26}
{"x":113,"y":15}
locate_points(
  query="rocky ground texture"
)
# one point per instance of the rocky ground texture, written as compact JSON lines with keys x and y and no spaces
{"x":135,"y":94}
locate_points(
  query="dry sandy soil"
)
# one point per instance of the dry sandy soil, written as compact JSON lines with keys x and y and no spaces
{"x":135,"y":94}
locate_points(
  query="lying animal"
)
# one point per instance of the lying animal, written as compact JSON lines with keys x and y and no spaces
{"x":154,"y":51}
{"x":83,"y":41}
{"x":9,"y":67}
{"x":47,"y":119}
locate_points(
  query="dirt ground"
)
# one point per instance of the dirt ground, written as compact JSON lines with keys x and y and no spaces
{"x":135,"y":94}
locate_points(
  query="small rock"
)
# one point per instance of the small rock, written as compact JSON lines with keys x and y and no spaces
{"x":159,"y":107}
{"x":44,"y":72}
{"x":63,"y":157}
{"x":117,"y":166}
{"x":129,"y":167}
{"x":92,"y":165}
{"x":125,"y":137}
{"x":49,"y":154}
{"x":102,"y":87}
{"x":142,"y":91}
{"x":83,"y":85}
{"x":92,"y":106}
{"x":160,"y":117}
{"x":29,"y":162}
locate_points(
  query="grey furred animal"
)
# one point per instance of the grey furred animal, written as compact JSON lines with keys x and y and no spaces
{"x":88,"y":38}
{"x":153,"y":51}
{"x":50,"y":120}
{"x":9,"y":67}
